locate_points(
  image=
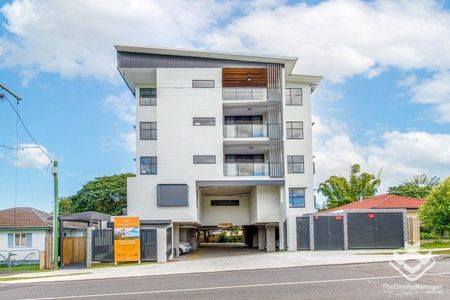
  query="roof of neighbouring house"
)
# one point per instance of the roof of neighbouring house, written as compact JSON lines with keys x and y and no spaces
{"x":28,"y":217}
{"x":385,"y":201}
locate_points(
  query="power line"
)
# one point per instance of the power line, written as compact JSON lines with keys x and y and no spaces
{"x":26,"y":129}
{"x":18,"y":148}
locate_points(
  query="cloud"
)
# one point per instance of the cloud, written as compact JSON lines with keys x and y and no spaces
{"x":31,"y":157}
{"x":122,"y":106}
{"x":434,"y":91}
{"x":342,"y":38}
{"x":76,"y":38}
{"x":398,"y":156}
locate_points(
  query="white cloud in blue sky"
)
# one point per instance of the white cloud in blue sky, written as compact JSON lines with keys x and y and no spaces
{"x":385,"y":100}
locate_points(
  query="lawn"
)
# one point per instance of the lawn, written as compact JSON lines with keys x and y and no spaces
{"x":21,"y":268}
{"x":436,"y":245}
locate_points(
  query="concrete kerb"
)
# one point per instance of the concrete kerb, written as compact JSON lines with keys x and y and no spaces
{"x":237,"y":263}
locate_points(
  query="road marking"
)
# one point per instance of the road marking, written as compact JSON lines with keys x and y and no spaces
{"x":226,"y":287}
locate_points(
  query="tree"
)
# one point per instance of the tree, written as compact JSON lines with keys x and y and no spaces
{"x":65,"y":206}
{"x":339,"y":191}
{"x":417,"y":187}
{"x":435,"y":213}
{"x":107,"y":194}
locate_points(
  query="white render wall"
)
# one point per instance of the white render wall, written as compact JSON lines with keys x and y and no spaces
{"x":299,"y":147}
{"x":236,"y":215}
{"x":178,"y":141}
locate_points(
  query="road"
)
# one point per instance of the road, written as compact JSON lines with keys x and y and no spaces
{"x":357,"y":281}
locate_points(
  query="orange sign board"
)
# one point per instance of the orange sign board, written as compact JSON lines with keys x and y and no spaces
{"x":127,"y":246}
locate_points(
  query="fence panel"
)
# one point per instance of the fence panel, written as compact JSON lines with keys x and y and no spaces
{"x":103,"y":245}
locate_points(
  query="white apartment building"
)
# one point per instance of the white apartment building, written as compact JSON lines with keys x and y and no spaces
{"x":221,"y":139}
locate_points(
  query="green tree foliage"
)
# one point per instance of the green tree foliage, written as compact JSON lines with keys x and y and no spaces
{"x":435,"y":213}
{"x":339,"y":190}
{"x":107,"y":194}
{"x":65,"y":206}
{"x":418,"y":187}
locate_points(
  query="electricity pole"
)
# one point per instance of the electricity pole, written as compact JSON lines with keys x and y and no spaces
{"x":55,"y":216}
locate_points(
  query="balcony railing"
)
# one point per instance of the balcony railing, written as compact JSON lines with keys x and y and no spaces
{"x":245,"y":131}
{"x":244,"y":94}
{"x":246,"y":169}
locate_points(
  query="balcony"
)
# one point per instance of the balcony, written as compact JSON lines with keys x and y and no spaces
{"x":244,"y":94}
{"x":245,"y":131}
{"x":246,"y":169}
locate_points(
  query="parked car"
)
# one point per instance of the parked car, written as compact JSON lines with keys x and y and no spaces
{"x":184,"y":247}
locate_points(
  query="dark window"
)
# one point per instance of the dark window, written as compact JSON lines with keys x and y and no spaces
{"x":147,"y":97}
{"x":202,"y":83}
{"x":296,"y":197}
{"x":204,"y":121}
{"x":224,"y":202}
{"x":294,"y":130}
{"x":204,"y":159}
{"x":148,"y":131}
{"x":231,"y":120}
{"x":296,"y":164}
{"x":294,"y":97}
{"x":244,"y":158}
{"x":172,"y":194}
{"x":149,"y":165}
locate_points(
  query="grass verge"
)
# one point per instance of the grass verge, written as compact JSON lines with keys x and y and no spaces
{"x":9,"y":278}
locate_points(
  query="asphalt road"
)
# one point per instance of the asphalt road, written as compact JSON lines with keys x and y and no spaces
{"x":357,"y":281}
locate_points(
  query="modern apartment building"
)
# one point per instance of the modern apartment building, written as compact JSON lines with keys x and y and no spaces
{"x":222,"y":139}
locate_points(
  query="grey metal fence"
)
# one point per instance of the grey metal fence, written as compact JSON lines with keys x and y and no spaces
{"x":103,"y":245}
{"x":148,"y":245}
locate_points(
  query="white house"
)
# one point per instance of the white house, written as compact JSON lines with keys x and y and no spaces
{"x":23,"y":233}
{"x":222,"y":138}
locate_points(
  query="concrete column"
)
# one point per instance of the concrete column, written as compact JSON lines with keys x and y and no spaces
{"x":176,"y":239}
{"x":261,"y":238}
{"x":88,"y":247}
{"x":161,"y":245}
{"x":255,"y":240}
{"x":270,"y":239}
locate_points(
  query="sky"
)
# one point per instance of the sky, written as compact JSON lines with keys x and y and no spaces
{"x":384,"y":101}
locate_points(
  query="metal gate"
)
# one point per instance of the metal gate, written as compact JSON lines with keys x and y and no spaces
{"x":169,"y":242}
{"x":375,"y":230}
{"x":303,"y":233}
{"x":103,"y":245}
{"x":329,"y":232}
{"x":148,"y":245}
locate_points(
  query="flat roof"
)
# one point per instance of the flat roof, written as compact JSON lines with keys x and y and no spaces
{"x":288,"y":61}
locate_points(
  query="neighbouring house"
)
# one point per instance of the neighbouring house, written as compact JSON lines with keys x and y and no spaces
{"x":24,"y":231}
{"x":222,"y":138}
{"x":385,"y":201}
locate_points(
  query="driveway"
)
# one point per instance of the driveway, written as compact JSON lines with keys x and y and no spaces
{"x":214,"y":250}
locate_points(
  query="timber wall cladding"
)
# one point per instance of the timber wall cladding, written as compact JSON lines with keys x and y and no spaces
{"x":244,"y":77}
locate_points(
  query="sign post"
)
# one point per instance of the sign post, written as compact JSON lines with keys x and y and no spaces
{"x":127,"y":244}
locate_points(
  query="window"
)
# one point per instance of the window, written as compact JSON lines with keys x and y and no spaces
{"x":204,"y":121}
{"x":294,"y":97}
{"x":202,"y":83}
{"x":149,"y":165}
{"x":224,"y":202}
{"x":148,"y":130}
{"x":204,"y":159}
{"x":296,"y":164}
{"x":294,"y":130}
{"x":21,"y":240}
{"x":147,"y":97}
{"x":172,"y":194}
{"x":296,"y":197}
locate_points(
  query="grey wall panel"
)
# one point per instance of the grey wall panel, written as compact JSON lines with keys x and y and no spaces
{"x":143,"y":60}
{"x":172,"y":195}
